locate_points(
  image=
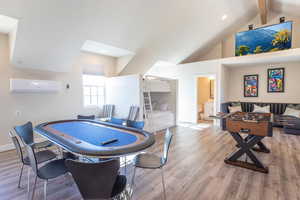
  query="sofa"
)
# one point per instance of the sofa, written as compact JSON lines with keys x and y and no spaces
{"x":292,"y":125}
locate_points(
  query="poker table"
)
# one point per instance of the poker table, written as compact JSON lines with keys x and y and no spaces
{"x":95,"y":138}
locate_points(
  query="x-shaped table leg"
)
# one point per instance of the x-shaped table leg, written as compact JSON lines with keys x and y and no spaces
{"x":245,"y":147}
{"x":261,"y":146}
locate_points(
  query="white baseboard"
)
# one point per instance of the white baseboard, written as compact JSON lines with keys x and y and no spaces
{"x":11,"y":146}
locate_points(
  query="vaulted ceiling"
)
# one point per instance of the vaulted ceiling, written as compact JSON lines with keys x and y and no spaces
{"x":51,"y":32}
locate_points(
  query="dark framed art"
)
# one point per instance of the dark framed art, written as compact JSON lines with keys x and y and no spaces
{"x":276,"y":80}
{"x":251,"y":85}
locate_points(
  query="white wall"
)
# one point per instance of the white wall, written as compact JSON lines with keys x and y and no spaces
{"x":213,"y":52}
{"x":123,"y":92}
{"x":292,"y":91}
{"x":41,"y":107}
{"x":97,"y":64}
{"x":122,"y":62}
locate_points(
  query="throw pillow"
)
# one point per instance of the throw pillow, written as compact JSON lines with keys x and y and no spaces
{"x":235,"y":104}
{"x":294,"y":106}
{"x":292,"y":112}
{"x":264,"y":109}
{"x":233,"y":109}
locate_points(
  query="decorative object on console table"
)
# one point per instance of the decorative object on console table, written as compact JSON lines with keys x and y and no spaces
{"x":251,"y":85}
{"x":276,"y":80}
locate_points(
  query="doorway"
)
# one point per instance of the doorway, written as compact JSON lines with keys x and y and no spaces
{"x":205,"y":98}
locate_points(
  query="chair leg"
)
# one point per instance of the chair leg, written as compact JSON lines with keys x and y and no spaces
{"x":132,"y":182}
{"x":45,"y":189}
{"x":28,"y":179}
{"x":20,"y":177}
{"x":125,"y":158}
{"x":127,"y":195}
{"x":33,"y":189}
{"x":163,"y":183}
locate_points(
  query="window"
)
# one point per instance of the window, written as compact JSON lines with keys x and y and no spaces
{"x":93,"y":90}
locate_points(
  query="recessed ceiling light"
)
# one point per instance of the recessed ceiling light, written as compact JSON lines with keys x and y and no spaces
{"x":224,"y":17}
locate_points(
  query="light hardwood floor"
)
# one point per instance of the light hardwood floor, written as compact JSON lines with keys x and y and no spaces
{"x":196,"y":170}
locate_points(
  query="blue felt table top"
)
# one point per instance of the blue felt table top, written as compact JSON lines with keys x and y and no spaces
{"x":95,"y":134}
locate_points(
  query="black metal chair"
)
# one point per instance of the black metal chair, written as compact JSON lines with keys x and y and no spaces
{"x":25,"y":132}
{"x":42,"y":156}
{"x":88,"y":117}
{"x":50,"y":170}
{"x":152,"y":161}
{"x":97,"y":180}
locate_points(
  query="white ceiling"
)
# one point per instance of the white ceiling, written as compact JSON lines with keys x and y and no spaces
{"x":51,"y":33}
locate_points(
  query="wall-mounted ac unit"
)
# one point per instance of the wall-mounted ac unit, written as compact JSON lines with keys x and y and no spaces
{"x":34,"y":86}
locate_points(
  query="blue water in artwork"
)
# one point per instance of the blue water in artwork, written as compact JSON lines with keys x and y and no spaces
{"x":95,"y":134}
{"x":265,"y":39}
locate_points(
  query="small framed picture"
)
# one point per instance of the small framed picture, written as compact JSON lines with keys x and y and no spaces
{"x":251,"y":85}
{"x":276,"y":80}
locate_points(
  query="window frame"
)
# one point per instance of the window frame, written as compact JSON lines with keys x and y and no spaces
{"x":101,"y":98}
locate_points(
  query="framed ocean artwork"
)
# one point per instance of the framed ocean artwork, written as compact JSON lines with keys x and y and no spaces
{"x":276,"y":80}
{"x":251,"y":85}
{"x":265,"y":39}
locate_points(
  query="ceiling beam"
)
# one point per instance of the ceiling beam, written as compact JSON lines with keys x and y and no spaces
{"x":263,"y":11}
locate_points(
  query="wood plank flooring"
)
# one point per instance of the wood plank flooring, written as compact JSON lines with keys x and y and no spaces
{"x":196,"y":170}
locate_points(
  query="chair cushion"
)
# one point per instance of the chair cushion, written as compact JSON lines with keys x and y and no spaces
{"x":148,"y":160}
{"x":52,"y":169}
{"x":41,"y":156}
{"x":119,"y":185}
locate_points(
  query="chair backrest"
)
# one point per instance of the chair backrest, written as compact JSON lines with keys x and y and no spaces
{"x":168,"y":139}
{"x":25,"y":132}
{"x":133,"y":113}
{"x":90,"y":117}
{"x":108,"y":111}
{"x":17,"y":146}
{"x":32,"y":158}
{"x":94,"y":180}
{"x":136,"y":124}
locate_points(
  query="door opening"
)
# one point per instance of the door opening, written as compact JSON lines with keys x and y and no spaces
{"x":205,"y":98}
